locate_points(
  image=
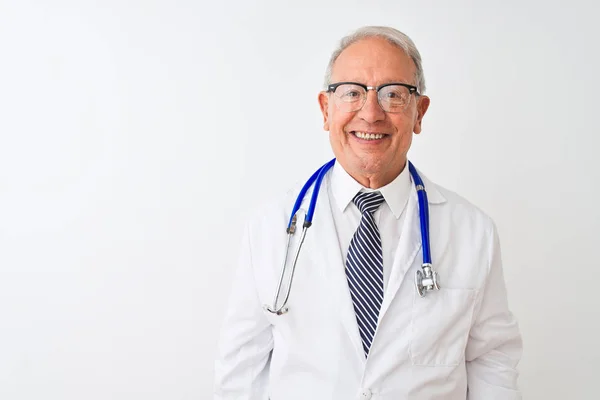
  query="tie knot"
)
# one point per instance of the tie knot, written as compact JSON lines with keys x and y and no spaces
{"x":368,"y":202}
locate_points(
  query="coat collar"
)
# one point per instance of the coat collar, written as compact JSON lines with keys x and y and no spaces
{"x":434,"y":195}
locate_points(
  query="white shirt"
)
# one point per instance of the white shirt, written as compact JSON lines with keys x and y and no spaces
{"x":389,"y":217}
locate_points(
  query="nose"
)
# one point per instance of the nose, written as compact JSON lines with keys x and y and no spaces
{"x":371,"y":111}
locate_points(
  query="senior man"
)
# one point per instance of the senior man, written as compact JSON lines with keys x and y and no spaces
{"x":356,"y":327}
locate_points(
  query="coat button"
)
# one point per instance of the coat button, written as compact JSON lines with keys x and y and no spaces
{"x":366,"y":394}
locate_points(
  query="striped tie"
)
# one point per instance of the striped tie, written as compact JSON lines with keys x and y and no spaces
{"x":364,"y":268}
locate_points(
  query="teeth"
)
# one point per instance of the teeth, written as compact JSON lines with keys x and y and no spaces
{"x":368,"y":136}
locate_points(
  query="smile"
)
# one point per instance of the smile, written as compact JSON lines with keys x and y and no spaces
{"x":368,"y":136}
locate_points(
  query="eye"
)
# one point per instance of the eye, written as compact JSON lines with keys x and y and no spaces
{"x":352,"y":94}
{"x":349,"y":92}
{"x":394,"y":94}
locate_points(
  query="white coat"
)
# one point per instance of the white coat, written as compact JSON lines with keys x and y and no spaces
{"x":461,"y":342}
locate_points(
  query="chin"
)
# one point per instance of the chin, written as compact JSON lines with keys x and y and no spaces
{"x":371,"y":165}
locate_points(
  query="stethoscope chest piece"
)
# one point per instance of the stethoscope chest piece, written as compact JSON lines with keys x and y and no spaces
{"x":426,"y":279}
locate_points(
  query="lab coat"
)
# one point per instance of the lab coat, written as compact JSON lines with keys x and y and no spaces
{"x":458,"y":343}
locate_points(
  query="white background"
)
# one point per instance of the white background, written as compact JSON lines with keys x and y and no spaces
{"x":135,"y":136}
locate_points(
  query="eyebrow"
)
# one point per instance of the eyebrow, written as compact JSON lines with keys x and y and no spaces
{"x":382,"y":83}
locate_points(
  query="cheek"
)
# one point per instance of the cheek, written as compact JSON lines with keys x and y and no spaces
{"x":338,"y":121}
{"x":405,"y":123}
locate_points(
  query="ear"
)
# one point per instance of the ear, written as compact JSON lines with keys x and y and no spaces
{"x":422,"y":106}
{"x":324,"y":104}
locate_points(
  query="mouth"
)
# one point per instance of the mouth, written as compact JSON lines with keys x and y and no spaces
{"x":369,"y":136}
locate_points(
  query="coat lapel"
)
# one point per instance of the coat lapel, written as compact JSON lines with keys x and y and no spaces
{"x":325,"y":249}
{"x":410,"y":241}
{"x":408,"y":248}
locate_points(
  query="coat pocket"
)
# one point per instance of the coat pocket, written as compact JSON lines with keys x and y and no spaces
{"x":440,"y":326}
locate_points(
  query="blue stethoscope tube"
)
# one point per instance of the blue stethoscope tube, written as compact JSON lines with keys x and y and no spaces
{"x":318,"y":176}
{"x":425,"y":279}
{"x":423,"y":212}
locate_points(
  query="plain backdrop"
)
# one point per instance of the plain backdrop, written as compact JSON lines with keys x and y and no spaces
{"x":135,"y":137}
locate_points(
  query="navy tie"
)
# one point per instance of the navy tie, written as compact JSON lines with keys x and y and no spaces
{"x":364,"y":268}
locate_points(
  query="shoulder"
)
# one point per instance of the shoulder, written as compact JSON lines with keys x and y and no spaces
{"x":276,"y":209}
{"x":460,"y":209}
{"x":459,"y":224}
{"x":280,"y":205}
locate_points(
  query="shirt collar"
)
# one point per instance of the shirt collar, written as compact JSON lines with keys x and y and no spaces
{"x":395,"y":193}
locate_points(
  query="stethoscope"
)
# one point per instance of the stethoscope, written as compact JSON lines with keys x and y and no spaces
{"x":426,"y":279}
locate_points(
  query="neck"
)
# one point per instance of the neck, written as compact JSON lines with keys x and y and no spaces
{"x":377,"y":180}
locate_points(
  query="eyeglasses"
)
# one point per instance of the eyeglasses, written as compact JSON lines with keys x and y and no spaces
{"x":351,"y":96}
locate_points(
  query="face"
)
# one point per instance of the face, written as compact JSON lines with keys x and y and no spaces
{"x":372,"y":162}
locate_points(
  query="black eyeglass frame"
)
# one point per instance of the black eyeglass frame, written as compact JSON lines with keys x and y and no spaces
{"x":411,"y":89}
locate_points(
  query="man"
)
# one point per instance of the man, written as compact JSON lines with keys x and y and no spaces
{"x":356,"y":326}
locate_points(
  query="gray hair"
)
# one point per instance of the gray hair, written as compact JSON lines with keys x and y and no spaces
{"x":393,"y":36}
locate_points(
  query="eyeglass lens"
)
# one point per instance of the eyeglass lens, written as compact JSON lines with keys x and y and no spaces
{"x":392,"y":98}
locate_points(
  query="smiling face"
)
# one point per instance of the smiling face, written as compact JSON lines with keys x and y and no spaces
{"x":371,"y":144}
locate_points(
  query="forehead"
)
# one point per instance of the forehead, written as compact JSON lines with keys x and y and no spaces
{"x":373,"y":61}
